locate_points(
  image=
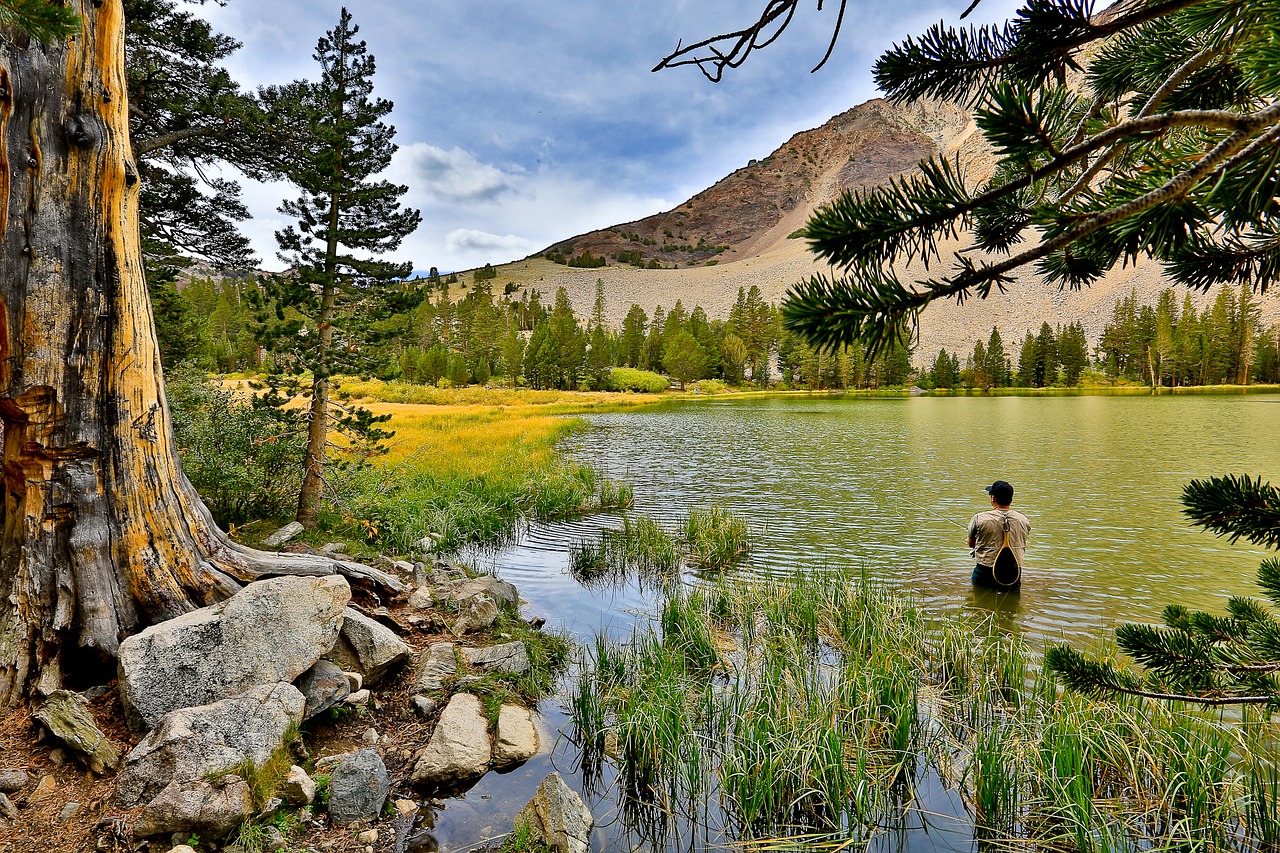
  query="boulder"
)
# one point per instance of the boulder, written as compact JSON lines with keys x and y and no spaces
{"x":272,"y":630}
{"x":283,"y":535}
{"x":13,"y":780}
{"x":475,"y":614}
{"x":368,"y":647}
{"x":324,"y":685}
{"x":66,"y":716}
{"x":507,"y":657}
{"x":194,"y":743}
{"x":358,"y":787}
{"x":557,"y":815}
{"x":298,"y":789}
{"x":517,"y":738}
{"x":500,"y":592}
{"x":209,"y":808}
{"x":436,"y":666}
{"x":458,"y":749}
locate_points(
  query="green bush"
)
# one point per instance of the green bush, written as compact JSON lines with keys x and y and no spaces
{"x":244,"y":460}
{"x":631,"y":379}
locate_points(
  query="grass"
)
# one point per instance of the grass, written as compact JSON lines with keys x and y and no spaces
{"x":468,"y":464}
{"x":812,"y":706}
{"x":710,"y":539}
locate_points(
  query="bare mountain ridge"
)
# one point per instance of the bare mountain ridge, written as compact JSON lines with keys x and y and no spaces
{"x":753,"y":210}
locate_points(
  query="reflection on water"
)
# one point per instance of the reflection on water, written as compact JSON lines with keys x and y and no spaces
{"x":890,"y":484}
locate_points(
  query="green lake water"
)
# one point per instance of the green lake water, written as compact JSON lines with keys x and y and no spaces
{"x":888,"y":484}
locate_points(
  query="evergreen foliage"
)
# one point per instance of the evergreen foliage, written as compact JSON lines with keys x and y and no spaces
{"x":346,"y":218}
{"x":39,"y":19}
{"x":1195,"y":656}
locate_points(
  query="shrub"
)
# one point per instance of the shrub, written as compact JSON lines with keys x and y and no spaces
{"x":244,"y":459}
{"x":631,"y":379}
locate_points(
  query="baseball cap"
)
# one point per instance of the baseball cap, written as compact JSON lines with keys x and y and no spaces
{"x":1001,"y":491}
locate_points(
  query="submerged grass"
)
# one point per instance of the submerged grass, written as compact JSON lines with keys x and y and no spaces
{"x":810,"y":707}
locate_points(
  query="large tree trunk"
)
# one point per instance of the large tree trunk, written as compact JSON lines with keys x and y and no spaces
{"x":102,"y":533}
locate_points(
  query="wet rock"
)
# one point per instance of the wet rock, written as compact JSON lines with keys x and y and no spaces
{"x":517,"y":737}
{"x":13,"y":780}
{"x":500,"y":592}
{"x":283,"y":535}
{"x":368,"y":647}
{"x":191,"y":743}
{"x":508,"y":657}
{"x":475,"y":614}
{"x":209,"y":808}
{"x":272,"y":630}
{"x":559,"y":817}
{"x":459,"y":746}
{"x":298,"y":789}
{"x":358,"y":787}
{"x":436,"y":666}
{"x":65,"y":715}
{"x":324,"y":685}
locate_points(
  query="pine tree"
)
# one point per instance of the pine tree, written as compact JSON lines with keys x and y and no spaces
{"x":344,"y":216}
{"x":631,"y":345}
{"x":997,"y":360}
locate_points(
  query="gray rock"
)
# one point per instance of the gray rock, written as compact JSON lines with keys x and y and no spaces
{"x":360,"y":698}
{"x":209,"y":808}
{"x":194,"y":743}
{"x":358,"y":788}
{"x":272,"y":630}
{"x":425,"y":706}
{"x":508,"y":657}
{"x":324,"y":685}
{"x":68,"y":811}
{"x":517,"y":738}
{"x":502,"y":593}
{"x":12,"y":780}
{"x":443,"y":573}
{"x":403,"y":566}
{"x":459,"y":746}
{"x":475,"y":614}
{"x":66,"y":716}
{"x":8,"y":810}
{"x":368,"y":647}
{"x":283,"y":535}
{"x":422,"y":598}
{"x":333,"y":548}
{"x":558,"y":815}
{"x":298,"y":789}
{"x":437,"y":665}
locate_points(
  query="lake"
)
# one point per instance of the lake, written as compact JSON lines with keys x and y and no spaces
{"x":889,"y":484}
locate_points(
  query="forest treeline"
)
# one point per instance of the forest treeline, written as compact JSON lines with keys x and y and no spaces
{"x":442,"y":336}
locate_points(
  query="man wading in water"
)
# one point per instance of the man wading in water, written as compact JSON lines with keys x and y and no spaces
{"x":998,"y":539}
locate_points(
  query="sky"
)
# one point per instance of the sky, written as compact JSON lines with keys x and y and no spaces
{"x":525,"y":122}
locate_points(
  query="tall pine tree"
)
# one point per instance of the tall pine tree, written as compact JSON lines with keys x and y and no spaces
{"x":346,"y":218}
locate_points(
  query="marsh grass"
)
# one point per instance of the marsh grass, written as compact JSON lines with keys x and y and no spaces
{"x":809,"y":708}
{"x":710,"y":539}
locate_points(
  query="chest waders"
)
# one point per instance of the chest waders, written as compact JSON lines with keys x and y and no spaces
{"x":1005,"y":570}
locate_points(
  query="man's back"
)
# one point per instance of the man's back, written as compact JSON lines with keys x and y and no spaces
{"x":986,"y":529}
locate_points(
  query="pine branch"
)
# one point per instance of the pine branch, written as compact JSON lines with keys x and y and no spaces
{"x":1100,"y":679}
{"x":40,"y":19}
{"x":1237,"y":507}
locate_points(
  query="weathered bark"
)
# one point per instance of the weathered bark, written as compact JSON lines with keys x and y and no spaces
{"x":102,"y":533}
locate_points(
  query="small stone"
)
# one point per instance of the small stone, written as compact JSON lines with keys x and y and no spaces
{"x":7,"y":809}
{"x":436,"y":666}
{"x":298,"y":789}
{"x":43,"y":790}
{"x":324,"y":685}
{"x":58,"y":756}
{"x":422,"y":599}
{"x":475,"y":614}
{"x":68,"y":811}
{"x":517,"y":738}
{"x":182,"y":848}
{"x":404,"y":566}
{"x":13,"y":780}
{"x":354,"y":680}
{"x":283,"y":535}
{"x":323,"y":765}
{"x":275,"y":839}
{"x":370,"y":737}
{"x":424,"y":705}
{"x":369,"y":836}
{"x":358,"y":698}
{"x":406,"y":807}
{"x":333,"y":547}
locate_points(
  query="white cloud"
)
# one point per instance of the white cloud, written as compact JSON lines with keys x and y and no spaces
{"x":467,"y":241}
{"x":452,"y":175}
